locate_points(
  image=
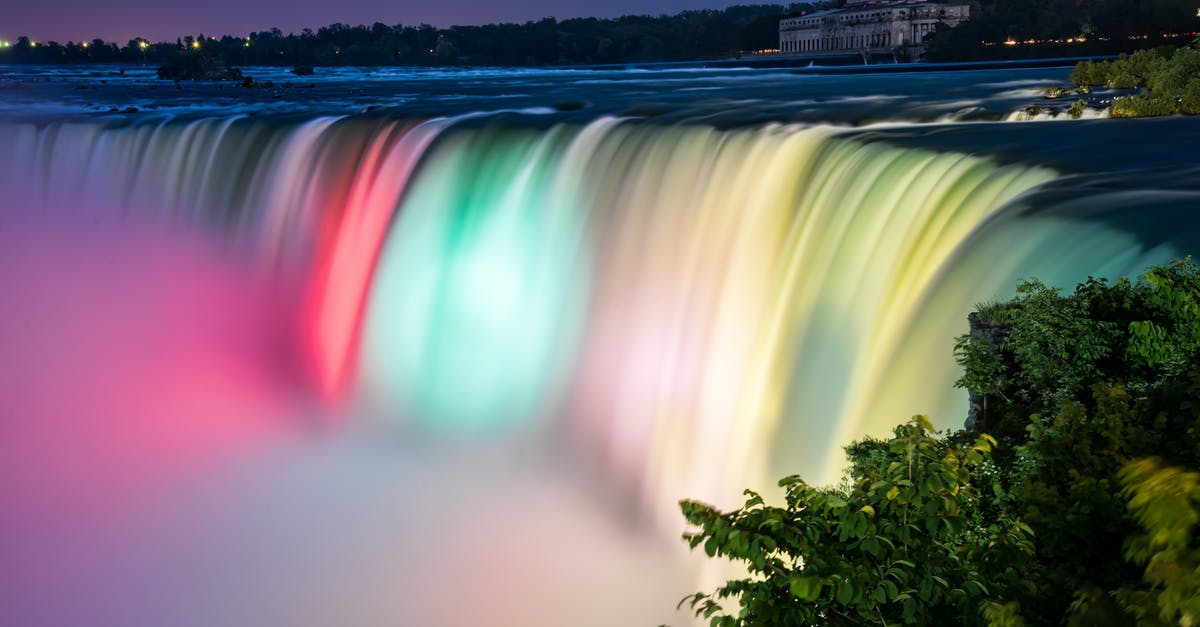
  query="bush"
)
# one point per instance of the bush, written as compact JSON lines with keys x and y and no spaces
{"x":1173,"y":77}
{"x":1090,"y":74}
{"x":1143,"y":105}
{"x":1121,"y":77}
{"x":899,"y":545}
{"x":1168,"y":74}
{"x":1189,"y":98}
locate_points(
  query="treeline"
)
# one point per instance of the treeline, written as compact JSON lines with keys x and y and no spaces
{"x":1105,"y":26}
{"x":689,"y":35}
{"x":1072,"y":498}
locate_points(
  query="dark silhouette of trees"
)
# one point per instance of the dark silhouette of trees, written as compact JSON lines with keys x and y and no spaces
{"x":690,"y":35}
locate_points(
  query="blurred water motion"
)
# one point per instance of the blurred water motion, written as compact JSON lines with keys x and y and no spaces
{"x":368,"y":370}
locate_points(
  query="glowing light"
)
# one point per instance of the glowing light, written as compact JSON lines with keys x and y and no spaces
{"x":143,"y":45}
{"x":196,"y":44}
{"x":344,"y":270}
{"x":471,"y":321}
{"x":1010,"y":42}
{"x":85,"y":44}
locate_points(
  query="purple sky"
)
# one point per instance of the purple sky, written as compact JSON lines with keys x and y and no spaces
{"x":121,"y":20}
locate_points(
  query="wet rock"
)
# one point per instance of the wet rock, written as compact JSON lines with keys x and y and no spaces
{"x":303,"y":70}
{"x":1055,"y":92}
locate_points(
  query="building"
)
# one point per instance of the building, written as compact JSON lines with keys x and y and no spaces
{"x":868,"y":27}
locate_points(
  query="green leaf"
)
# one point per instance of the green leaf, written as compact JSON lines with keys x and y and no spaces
{"x":807,"y":589}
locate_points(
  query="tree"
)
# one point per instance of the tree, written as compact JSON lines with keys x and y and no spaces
{"x":1166,"y":503}
{"x":903,"y":544}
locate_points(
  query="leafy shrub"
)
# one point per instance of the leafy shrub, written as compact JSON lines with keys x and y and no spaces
{"x":898,"y":546}
{"x":1173,"y":77}
{"x":1143,"y":105}
{"x":1189,"y":98}
{"x":1090,"y":74}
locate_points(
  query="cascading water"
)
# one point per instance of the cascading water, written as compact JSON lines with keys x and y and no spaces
{"x":685,"y":310}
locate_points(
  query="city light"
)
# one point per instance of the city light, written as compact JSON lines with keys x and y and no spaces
{"x":143,"y":45}
{"x":86,"y":44}
{"x":196,"y":44}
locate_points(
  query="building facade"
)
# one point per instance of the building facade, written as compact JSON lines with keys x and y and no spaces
{"x":868,"y":27}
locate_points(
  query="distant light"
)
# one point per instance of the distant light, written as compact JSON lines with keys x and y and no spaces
{"x":1010,"y":42}
{"x":196,"y":44}
{"x":33,"y":44}
{"x":86,"y":44}
{"x":143,"y":45}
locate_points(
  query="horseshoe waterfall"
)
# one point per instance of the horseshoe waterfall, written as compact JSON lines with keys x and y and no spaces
{"x":348,"y":363}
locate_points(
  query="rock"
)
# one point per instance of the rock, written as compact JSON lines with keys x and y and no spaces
{"x":303,"y":70}
{"x":1055,"y":92}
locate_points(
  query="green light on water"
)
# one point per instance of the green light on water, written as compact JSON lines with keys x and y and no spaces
{"x":475,"y":303}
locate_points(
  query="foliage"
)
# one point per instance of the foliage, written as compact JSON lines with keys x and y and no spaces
{"x":1095,"y":405}
{"x":1067,"y":489}
{"x":1172,"y":77}
{"x":1143,"y":105}
{"x":1076,"y":109}
{"x":1063,"y":28}
{"x":703,"y":34}
{"x":1165,"y":501}
{"x":899,"y":546}
{"x":1057,"y":347}
{"x":1079,"y":386}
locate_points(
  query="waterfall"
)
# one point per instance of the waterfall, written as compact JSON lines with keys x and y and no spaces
{"x":689,"y":310}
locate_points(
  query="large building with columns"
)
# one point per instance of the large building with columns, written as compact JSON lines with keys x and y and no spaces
{"x":868,"y":27}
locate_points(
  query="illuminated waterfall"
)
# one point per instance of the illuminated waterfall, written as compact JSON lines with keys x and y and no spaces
{"x":690,"y":310}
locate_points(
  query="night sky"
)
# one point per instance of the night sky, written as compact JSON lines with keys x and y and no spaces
{"x":121,"y":20}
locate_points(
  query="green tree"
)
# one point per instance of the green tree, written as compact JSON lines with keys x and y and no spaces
{"x":903,"y":544}
{"x":1165,"y":501}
